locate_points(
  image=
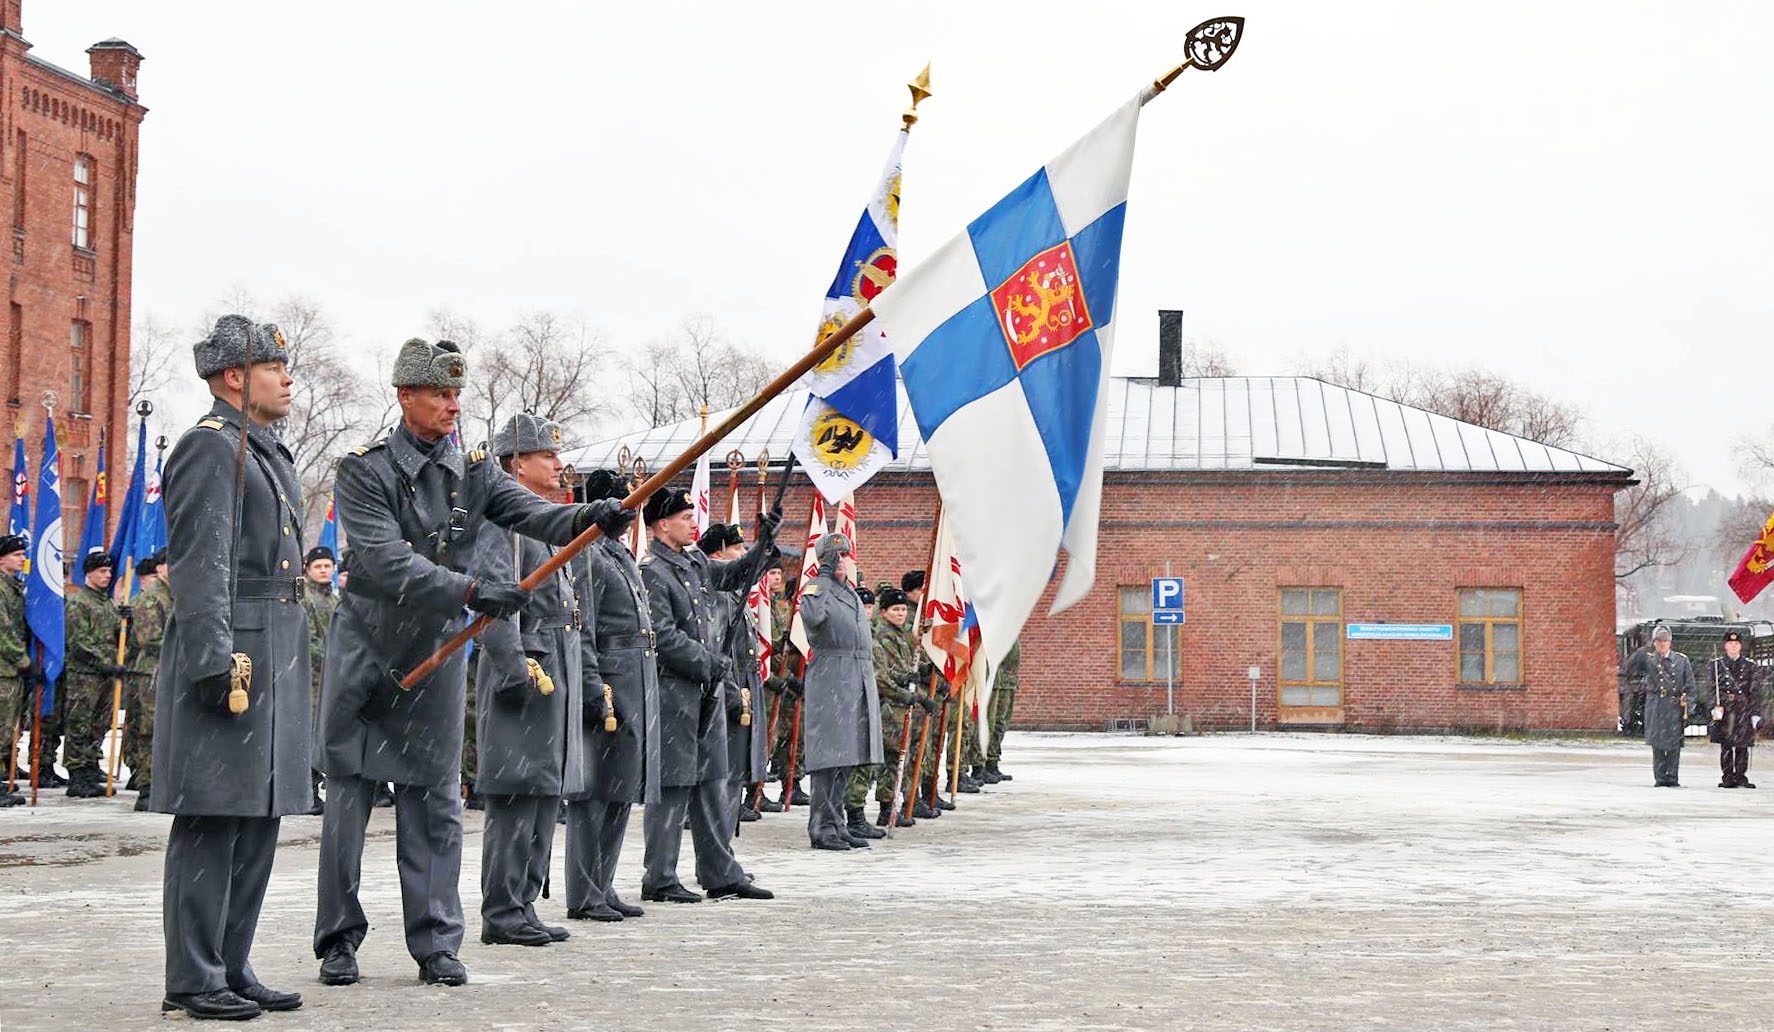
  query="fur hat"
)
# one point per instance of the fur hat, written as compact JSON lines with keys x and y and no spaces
{"x":10,"y":543}
{"x":151,"y":564}
{"x":911,"y":581}
{"x":317,"y":553}
{"x":226,"y":345}
{"x":97,"y":559}
{"x":831,"y":548}
{"x":605,"y":483}
{"x":890,"y":597}
{"x":1661,"y":634}
{"x":527,"y":432}
{"x":420,"y":364}
{"x":668,"y":502}
{"x":719,"y":536}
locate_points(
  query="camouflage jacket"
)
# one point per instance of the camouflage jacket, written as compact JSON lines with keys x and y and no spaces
{"x":147,"y":626}
{"x":896,"y":665}
{"x":14,"y":639}
{"x":93,"y":622}
{"x":1007,"y":676}
{"x":319,"y":601}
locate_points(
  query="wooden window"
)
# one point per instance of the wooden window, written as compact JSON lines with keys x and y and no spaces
{"x":1311,"y":628}
{"x":80,"y":346}
{"x":1490,"y":636}
{"x":1148,"y":651}
{"x":85,"y":178}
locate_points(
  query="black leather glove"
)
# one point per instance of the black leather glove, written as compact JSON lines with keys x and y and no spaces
{"x":30,"y":671}
{"x":943,"y":691}
{"x":928,"y":703}
{"x":115,"y":670}
{"x":497,"y":599}
{"x":608,"y":514}
{"x":794,"y":686}
{"x":125,"y":612}
{"x":720,"y":670}
{"x":214,"y":689}
{"x":768,"y":523}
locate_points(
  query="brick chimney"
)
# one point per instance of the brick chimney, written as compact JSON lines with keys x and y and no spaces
{"x":1170,"y":347}
{"x":14,"y":14}
{"x":114,"y":64}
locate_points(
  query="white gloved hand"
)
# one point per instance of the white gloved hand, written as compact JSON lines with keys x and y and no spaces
{"x":1755,"y":721}
{"x":1718,"y":713}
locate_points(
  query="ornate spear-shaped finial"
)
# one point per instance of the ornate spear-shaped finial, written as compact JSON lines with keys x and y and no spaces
{"x":1210,"y":46}
{"x":920,"y":87}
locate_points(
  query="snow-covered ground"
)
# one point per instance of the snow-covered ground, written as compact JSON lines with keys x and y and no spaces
{"x":1221,"y":882}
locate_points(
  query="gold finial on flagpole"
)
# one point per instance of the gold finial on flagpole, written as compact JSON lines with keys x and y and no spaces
{"x":1210,"y":46}
{"x":920,"y":87}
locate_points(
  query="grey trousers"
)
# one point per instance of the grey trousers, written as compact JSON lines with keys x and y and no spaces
{"x":216,"y":872}
{"x":515,"y":845}
{"x":428,"y":854}
{"x":595,"y":830}
{"x":711,"y":830}
{"x":826,"y":817}
{"x":1666,"y":765}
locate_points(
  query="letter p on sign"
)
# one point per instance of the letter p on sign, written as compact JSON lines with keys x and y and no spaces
{"x":1167,"y":593}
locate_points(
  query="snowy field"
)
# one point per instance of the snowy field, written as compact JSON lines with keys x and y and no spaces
{"x":1220,"y":882}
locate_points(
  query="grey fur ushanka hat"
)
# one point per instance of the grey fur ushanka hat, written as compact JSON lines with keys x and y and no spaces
{"x":525,"y":433}
{"x":423,"y":364}
{"x":225,"y":347}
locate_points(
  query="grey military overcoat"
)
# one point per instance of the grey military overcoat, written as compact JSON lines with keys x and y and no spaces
{"x":745,"y":744}
{"x":841,"y":716}
{"x":1666,"y":682}
{"x":692,"y":703}
{"x":530,"y":743}
{"x":207,"y":761}
{"x":414,"y":518}
{"x":617,"y":649}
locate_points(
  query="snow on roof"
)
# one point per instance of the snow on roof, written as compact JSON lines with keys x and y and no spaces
{"x":1212,"y":423}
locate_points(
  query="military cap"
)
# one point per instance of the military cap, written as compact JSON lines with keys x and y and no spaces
{"x":605,"y":483}
{"x":150,"y":564}
{"x":715,"y":538}
{"x":865,"y":595}
{"x":524,"y":433}
{"x":10,"y":543}
{"x":911,"y":581}
{"x":422,"y":364}
{"x":831,"y":547}
{"x":890,"y":597}
{"x":1734,"y":636}
{"x":1662,"y":634}
{"x":97,"y":559}
{"x":317,"y":553}
{"x":668,"y":502}
{"x":226,"y":345}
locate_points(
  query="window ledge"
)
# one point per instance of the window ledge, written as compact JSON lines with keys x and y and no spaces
{"x":1490,"y":687}
{"x":83,"y":252}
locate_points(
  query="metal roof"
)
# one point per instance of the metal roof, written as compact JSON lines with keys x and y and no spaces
{"x":1213,"y":423}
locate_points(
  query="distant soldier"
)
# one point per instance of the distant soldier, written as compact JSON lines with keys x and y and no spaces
{"x":93,"y":622}
{"x":234,"y":531}
{"x":897,"y":687}
{"x":621,"y":684}
{"x":787,"y":660}
{"x":693,"y":676}
{"x":1667,"y":681}
{"x":843,"y":713}
{"x":414,"y":508}
{"x":1003,"y":704}
{"x":147,"y":631}
{"x":1734,"y":700}
{"x":745,"y":692}
{"x":16,"y":663}
{"x":318,"y":600}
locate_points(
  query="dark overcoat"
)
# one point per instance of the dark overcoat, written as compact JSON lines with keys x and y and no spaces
{"x":207,"y":761}
{"x":745,"y":743}
{"x":1670,"y":695}
{"x":841,"y":718}
{"x":617,"y":649}
{"x":1733,"y":685}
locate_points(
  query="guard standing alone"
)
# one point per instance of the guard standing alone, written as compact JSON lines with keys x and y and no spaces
{"x":1667,"y":680}
{"x":1733,"y":692}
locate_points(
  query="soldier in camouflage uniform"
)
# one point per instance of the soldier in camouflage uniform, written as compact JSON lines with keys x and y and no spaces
{"x":318,"y":601}
{"x":896,"y":682}
{"x":92,"y":625}
{"x":787,"y":661}
{"x":15,"y":654}
{"x":147,"y":629}
{"x":1003,"y":703}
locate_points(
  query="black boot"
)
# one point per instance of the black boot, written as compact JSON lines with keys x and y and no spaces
{"x":859,"y":827}
{"x":384,"y":797}
{"x":801,"y":798}
{"x":769,"y":805}
{"x":924,"y":810}
{"x":997,"y":773}
{"x":86,"y":784}
{"x":968,"y":784}
{"x":899,"y":820}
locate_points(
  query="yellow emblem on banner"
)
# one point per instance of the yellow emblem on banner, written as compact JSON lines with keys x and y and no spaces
{"x":838,"y":441}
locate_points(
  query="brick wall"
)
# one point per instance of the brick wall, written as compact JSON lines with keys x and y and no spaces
{"x":1398,"y":546}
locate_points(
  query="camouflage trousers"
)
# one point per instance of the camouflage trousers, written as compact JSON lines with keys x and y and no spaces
{"x":15,"y":713}
{"x":86,"y":719}
{"x":470,"y":749}
{"x":50,"y":729}
{"x":969,"y":744}
{"x":138,"y":738}
{"x":784,"y":734}
{"x":1003,"y":704}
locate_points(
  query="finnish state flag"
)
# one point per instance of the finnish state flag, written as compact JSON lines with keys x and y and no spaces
{"x":1004,"y":338}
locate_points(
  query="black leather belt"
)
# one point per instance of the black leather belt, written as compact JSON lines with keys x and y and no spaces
{"x":272,"y":589}
{"x":643,"y":640}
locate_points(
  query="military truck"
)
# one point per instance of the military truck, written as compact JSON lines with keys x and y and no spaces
{"x":1702,"y":640}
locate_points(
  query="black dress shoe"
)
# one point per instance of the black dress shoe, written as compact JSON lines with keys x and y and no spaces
{"x":626,"y":909}
{"x":383,"y":798}
{"x":600,"y":912}
{"x":268,"y":998}
{"x":442,"y":968}
{"x":338,"y":966}
{"x":475,"y":803}
{"x":856,"y":842}
{"x":555,"y":932}
{"x":522,"y":935}
{"x":836,"y":845}
{"x":673,"y":893}
{"x":1727,"y":784}
{"x":219,"y":1005}
{"x":769,"y":805}
{"x":1746,"y":784}
{"x":742,"y":890}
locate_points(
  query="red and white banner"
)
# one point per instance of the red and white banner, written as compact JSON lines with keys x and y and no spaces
{"x":809,"y":570}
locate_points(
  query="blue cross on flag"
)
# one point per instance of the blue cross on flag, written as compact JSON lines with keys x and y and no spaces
{"x":1004,"y":338}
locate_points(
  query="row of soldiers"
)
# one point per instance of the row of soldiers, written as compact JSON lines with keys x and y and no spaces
{"x":605,"y":684}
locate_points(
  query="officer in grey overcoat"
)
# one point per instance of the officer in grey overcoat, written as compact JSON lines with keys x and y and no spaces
{"x":1667,"y":680}
{"x":693,"y":672}
{"x":414,"y":508}
{"x":529,"y":705}
{"x":841,"y":721}
{"x":621,"y":682}
{"x":745,"y":692}
{"x":226,"y":777}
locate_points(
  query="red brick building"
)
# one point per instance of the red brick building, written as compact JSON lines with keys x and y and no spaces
{"x":1380,"y":566}
{"x":67,"y":178}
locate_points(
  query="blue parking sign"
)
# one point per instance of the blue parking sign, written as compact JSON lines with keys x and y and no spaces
{"x":1167,"y":593}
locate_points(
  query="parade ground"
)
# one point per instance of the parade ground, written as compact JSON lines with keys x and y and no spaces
{"x":1221,"y":882}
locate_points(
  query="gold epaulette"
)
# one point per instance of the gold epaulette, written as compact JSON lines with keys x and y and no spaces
{"x":811,"y":589}
{"x":365,"y":449}
{"x":212,"y":423}
{"x":476,"y":457}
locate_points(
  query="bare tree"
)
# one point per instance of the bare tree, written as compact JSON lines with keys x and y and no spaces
{"x":653,"y":391}
{"x":1646,"y":534}
{"x":675,"y":379}
{"x":1205,"y":360}
{"x":1471,"y":395}
{"x":154,"y":351}
{"x":544,"y":363}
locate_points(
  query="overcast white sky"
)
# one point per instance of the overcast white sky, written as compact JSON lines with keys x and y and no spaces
{"x":1573,"y":194}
